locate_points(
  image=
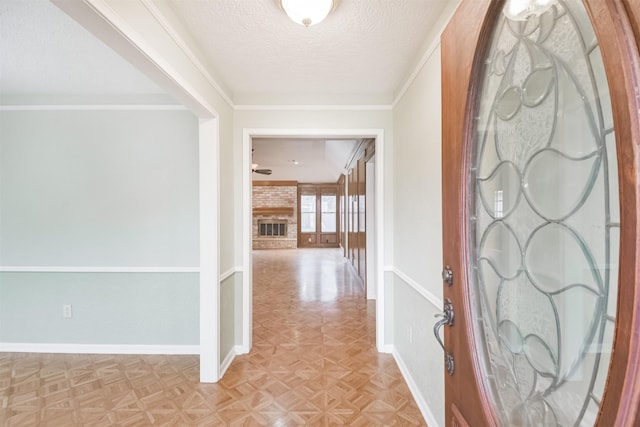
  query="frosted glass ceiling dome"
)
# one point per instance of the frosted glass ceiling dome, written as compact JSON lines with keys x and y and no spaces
{"x":307,"y":12}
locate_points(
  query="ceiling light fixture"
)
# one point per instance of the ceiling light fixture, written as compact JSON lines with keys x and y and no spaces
{"x":307,"y":12}
{"x":520,"y":10}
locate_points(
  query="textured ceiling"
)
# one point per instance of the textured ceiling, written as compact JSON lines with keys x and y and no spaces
{"x":361,"y":53}
{"x":45,"y":53}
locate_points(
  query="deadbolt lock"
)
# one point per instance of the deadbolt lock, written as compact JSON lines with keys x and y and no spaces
{"x":447,"y":275}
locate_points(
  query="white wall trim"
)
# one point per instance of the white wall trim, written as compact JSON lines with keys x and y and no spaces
{"x":10,"y":347}
{"x":230,"y":272}
{"x":50,"y":269}
{"x":309,"y":133}
{"x":247,"y":135}
{"x":425,"y":57}
{"x":243,"y":349}
{"x":110,"y":107}
{"x":311,"y":107}
{"x":433,"y":299}
{"x":99,"y":17}
{"x":416,"y":71}
{"x":428,"y":416}
{"x":228,"y":359}
{"x":381,"y":302}
{"x":209,"y":191}
{"x":132,"y":38}
{"x":164,"y":23}
{"x":247,"y":242}
{"x":388,"y":348}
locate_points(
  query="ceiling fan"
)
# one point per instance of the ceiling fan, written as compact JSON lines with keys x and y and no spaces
{"x":254,"y":167}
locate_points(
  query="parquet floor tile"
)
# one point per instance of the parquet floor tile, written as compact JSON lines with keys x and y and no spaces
{"x":313,"y":362}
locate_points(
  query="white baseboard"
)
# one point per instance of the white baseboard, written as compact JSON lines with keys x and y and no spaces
{"x":230,"y":272}
{"x":242,"y":349}
{"x":10,"y":347}
{"x":235,"y":350}
{"x":428,"y":416}
{"x":387,"y":348}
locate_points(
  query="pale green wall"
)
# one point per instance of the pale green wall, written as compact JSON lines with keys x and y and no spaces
{"x":228,"y":315}
{"x":420,"y":352}
{"x":108,"y":308}
{"x":417,"y":239}
{"x":237,"y":321}
{"x":99,"y":189}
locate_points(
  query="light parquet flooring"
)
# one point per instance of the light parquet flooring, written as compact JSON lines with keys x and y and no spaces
{"x":313,"y":362}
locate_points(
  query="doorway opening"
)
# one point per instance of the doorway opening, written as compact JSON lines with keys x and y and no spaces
{"x":376,"y":254}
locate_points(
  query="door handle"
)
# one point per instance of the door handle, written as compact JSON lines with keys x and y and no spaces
{"x":447,"y":319}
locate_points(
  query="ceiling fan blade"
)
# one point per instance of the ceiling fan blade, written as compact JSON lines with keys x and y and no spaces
{"x":263,"y":171}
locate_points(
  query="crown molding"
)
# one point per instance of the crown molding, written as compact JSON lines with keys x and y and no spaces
{"x":94,"y":269}
{"x":70,"y":107}
{"x":164,"y":23}
{"x":311,"y":107}
{"x":431,"y":48}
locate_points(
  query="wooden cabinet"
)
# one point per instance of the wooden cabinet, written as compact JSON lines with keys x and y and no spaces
{"x":355,"y":200}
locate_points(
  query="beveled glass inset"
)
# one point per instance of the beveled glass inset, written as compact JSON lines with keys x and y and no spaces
{"x":544,"y":219}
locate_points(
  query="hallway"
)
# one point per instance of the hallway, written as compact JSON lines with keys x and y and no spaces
{"x":313,"y":362}
{"x":314,"y":345}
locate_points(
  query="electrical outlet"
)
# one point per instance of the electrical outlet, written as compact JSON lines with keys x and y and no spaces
{"x":410,"y":334}
{"x":66,"y":311}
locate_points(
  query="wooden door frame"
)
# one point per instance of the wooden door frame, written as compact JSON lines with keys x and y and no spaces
{"x":377,"y":134}
{"x":464,"y":42}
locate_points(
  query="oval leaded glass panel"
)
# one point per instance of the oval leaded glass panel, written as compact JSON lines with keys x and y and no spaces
{"x":544,"y":215}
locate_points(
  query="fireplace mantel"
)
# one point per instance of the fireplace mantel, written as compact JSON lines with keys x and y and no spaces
{"x":277,"y":210}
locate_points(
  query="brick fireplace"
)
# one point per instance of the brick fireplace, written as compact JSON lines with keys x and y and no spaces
{"x":275,"y":216}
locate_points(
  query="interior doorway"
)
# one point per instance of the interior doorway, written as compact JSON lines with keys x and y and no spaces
{"x":377,"y":260}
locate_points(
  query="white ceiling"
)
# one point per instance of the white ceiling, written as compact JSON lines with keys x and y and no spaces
{"x":44,"y":54}
{"x":361,"y":54}
{"x":319,"y":160}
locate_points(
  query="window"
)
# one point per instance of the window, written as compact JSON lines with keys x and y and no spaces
{"x":308,"y":213}
{"x":318,"y":211}
{"x":328,"y":216}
